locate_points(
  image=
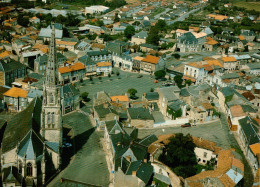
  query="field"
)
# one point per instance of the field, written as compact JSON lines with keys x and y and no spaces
{"x":247,"y":5}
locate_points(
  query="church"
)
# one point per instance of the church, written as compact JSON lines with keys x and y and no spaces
{"x":32,"y":141}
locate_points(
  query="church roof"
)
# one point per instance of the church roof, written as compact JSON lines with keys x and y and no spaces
{"x":21,"y":124}
{"x":11,"y":175}
{"x":31,"y":146}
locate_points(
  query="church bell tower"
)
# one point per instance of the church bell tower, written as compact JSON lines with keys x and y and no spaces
{"x":51,"y":119}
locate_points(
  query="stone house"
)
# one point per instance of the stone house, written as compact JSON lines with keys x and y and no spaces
{"x":128,"y":156}
{"x":195,"y":70}
{"x":150,"y":64}
{"x":70,"y":98}
{"x":99,"y":56}
{"x":137,"y":63}
{"x":121,"y":100}
{"x":125,"y":62}
{"x":70,"y":45}
{"x":140,"y":117}
{"x":139,"y":38}
{"x":230,"y":63}
{"x":91,"y":65}
{"x":10,"y":70}
{"x":249,"y":35}
{"x":102,"y":113}
{"x":16,"y":99}
{"x":70,"y":73}
{"x":211,"y":45}
{"x":202,"y":113}
{"x":254,"y":68}
{"x":249,"y":136}
{"x":188,"y":43}
{"x":104,"y":68}
{"x":167,"y":95}
{"x":204,"y":155}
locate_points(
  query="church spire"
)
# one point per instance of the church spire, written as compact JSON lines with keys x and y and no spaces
{"x":52,"y":79}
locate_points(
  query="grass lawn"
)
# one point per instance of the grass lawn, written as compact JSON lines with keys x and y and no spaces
{"x":159,"y":183}
{"x":247,"y":5}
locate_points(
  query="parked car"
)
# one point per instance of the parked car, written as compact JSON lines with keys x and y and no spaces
{"x":140,"y":76}
{"x":186,"y":125}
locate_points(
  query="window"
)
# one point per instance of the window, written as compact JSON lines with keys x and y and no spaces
{"x":29,"y":169}
{"x":205,"y":154}
{"x":20,"y":167}
{"x":53,"y":118}
{"x":49,"y":118}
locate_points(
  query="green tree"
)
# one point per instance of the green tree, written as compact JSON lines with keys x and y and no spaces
{"x":117,"y":19}
{"x":100,"y":23}
{"x":152,"y":90}
{"x":153,"y":36}
{"x":132,"y":92}
{"x":129,"y":31}
{"x":176,"y":55}
{"x":23,"y":21}
{"x":188,"y":82}
{"x":161,"y":25}
{"x":246,"y":21}
{"x":178,"y":79}
{"x":84,"y":96}
{"x":159,"y":74}
{"x":179,"y":155}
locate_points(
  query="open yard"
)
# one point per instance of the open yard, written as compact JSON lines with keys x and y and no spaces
{"x":247,"y":5}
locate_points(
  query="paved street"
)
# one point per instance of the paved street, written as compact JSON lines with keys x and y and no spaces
{"x":183,"y":17}
{"x":211,"y":131}
{"x":88,"y":167}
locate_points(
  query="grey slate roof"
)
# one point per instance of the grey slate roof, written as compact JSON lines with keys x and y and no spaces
{"x":42,"y":60}
{"x":168,"y":92}
{"x":7,"y":65}
{"x":175,"y":105}
{"x":31,"y":146}
{"x":254,"y":66}
{"x":188,"y":38}
{"x":184,"y":92}
{"x":150,"y":96}
{"x":103,"y":111}
{"x":142,"y":35}
{"x":34,"y":93}
{"x":11,"y":175}
{"x":19,"y":126}
{"x":148,"y":140}
{"x":97,"y":53}
{"x":69,"y":90}
{"x":86,"y":60}
{"x":230,"y":76}
{"x":140,"y":113}
{"x":251,"y":129}
{"x":46,"y":32}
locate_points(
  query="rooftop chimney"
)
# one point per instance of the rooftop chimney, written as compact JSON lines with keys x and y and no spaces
{"x":133,"y":173}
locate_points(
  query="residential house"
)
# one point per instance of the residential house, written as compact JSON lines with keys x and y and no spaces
{"x":139,"y":38}
{"x":104,"y":68}
{"x":70,"y":45}
{"x":250,"y":139}
{"x":2,"y":91}
{"x":35,"y":20}
{"x":211,"y":44}
{"x":71,"y":72}
{"x":166,"y":96}
{"x":180,"y":32}
{"x":45,"y":33}
{"x":150,"y":64}
{"x":256,"y":57}
{"x":10,"y":70}
{"x":99,"y":56}
{"x":122,"y":100}
{"x":202,"y":113}
{"x":137,"y":63}
{"x":194,"y":72}
{"x":188,"y":42}
{"x":230,"y":63}
{"x":97,"y":9}
{"x":229,"y":170}
{"x":140,"y":117}
{"x":70,"y":98}
{"x":249,"y":35}
{"x":146,"y":48}
{"x":89,"y":64}
{"x":16,"y":99}
{"x":102,"y":113}
{"x":127,"y":155}
{"x":125,"y":62}
{"x":254,"y":68}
